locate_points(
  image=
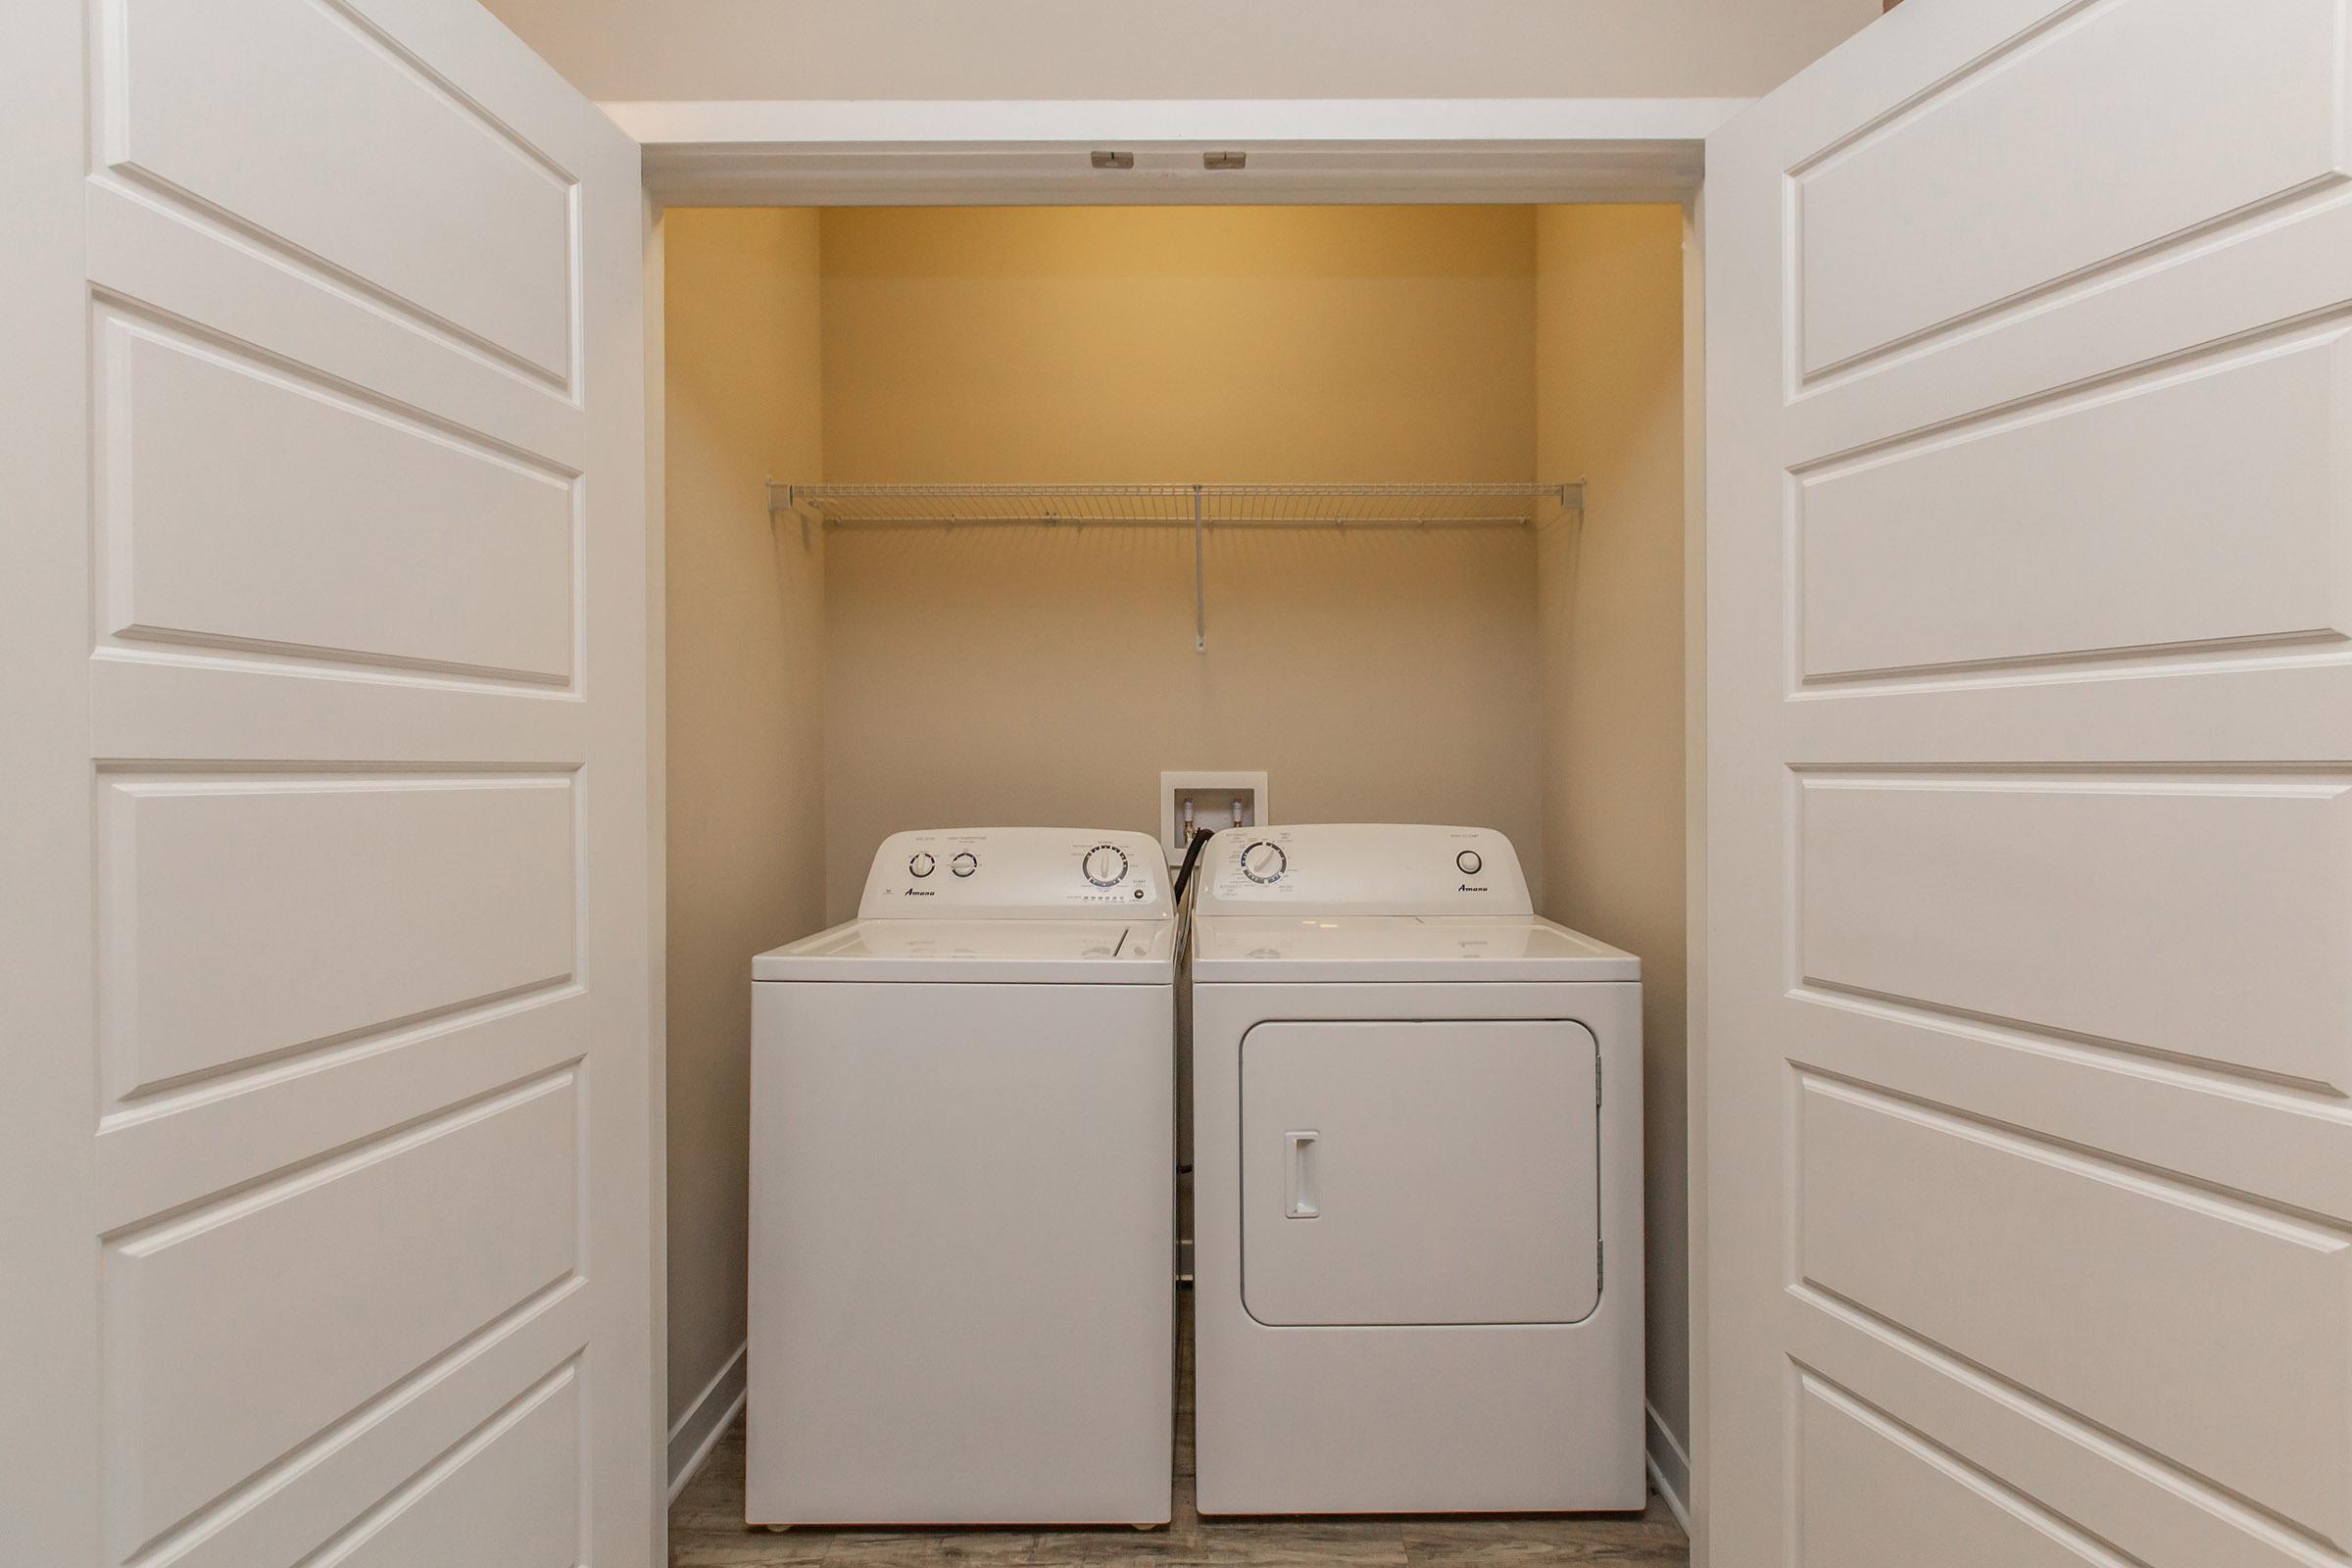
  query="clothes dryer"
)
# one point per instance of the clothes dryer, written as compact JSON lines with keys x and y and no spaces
{"x":1417,"y":1172}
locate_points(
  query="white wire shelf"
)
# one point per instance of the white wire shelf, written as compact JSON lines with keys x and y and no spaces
{"x":1198,"y":506}
{"x":1210,"y":506}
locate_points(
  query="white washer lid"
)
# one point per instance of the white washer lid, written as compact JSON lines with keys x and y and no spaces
{"x":1086,"y":952}
{"x":1378,"y":948}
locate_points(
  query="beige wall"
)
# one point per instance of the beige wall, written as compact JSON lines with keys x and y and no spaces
{"x":745,"y":694}
{"x":1031,"y":674}
{"x":1609,"y":403}
{"x":1024,"y":674}
{"x":626,"y":49}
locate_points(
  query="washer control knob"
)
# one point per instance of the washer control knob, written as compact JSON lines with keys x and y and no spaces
{"x":922,"y":864}
{"x":1265,"y":861}
{"x":964,"y":864}
{"x":1105,"y":865}
{"x":1469,"y":862}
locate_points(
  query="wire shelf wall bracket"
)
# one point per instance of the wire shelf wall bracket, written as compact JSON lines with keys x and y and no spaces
{"x":1198,"y":506}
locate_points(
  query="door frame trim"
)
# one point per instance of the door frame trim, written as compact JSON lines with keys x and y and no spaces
{"x":991,"y":153}
{"x":1031,"y":152}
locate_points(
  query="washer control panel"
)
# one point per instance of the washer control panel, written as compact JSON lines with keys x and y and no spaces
{"x":1013,"y":873}
{"x":1363,"y":869}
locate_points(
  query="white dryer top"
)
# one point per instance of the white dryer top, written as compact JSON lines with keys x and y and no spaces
{"x":1377,"y":948}
{"x":1089,"y":952}
{"x":1361,"y":868}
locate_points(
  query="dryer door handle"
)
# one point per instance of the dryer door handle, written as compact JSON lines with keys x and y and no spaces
{"x":1298,"y":1167}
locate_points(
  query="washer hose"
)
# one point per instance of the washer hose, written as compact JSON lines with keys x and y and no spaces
{"x":1191,"y":856}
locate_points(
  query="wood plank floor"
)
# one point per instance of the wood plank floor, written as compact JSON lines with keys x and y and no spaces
{"x":707,"y":1531}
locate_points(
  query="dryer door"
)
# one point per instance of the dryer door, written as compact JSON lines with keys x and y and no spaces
{"x":1424,"y":1173}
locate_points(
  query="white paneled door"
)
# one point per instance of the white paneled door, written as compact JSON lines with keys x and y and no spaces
{"x":324,"y":1107}
{"x":2030,"y":991}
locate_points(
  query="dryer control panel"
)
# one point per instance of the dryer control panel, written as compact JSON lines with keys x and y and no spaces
{"x":1017,"y":873}
{"x":1363,"y":869}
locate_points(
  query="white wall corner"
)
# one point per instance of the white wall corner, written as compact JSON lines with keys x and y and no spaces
{"x":708,"y":1418}
{"x":1669,"y":1466}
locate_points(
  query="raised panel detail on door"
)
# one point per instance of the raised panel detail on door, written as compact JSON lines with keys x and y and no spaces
{"x":2028,"y":1070}
{"x":2174,"y":113}
{"x":438,"y":207}
{"x":323,"y":625}
{"x":1423,"y":1172}
{"x":2207,"y":505}
{"x":349,"y":1479}
{"x":248,"y":505}
{"x":1872,"y":1494}
{"x":230,"y":1326}
{"x":2089,"y":1283}
{"x":2027,"y":898}
{"x":507,"y":1495}
{"x":248,"y":917}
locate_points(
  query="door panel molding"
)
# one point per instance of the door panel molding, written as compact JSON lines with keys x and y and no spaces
{"x":2247,"y":117}
{"x":2153,"y":1509}
{"x":1867,"y":1483}
{"x":337,"y":1479}
{"x":2029,"y":1106}
{"x":209,"y":1381}
{"x":326,"y":624}
{"x":2120,"y":1271}
{"x":162,"y":73}
{"x":2051,"y":870}
{"x":467,"y":569}
{"x":1900,"y":550}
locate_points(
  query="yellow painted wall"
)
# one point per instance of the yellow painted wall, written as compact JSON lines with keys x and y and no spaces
{"x":1609,"y":300}
{"x":745,"y":718}
{"x":1023,"y":674}
{"x":824,"y":692}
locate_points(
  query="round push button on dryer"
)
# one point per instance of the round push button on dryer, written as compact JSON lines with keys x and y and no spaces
{"x":1469,"y":862}
{"x":922,"y":864}
{"x":964,"y":864}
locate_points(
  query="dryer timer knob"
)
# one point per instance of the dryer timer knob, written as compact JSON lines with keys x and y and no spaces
{"x":1265,"y":861}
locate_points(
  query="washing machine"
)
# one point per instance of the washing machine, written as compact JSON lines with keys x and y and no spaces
{"x":1417,"y":1183}
{"x":962,"y":1191}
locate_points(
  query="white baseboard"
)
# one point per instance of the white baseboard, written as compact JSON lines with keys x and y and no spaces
{"x":714,"y":1409}
{"x":1669,"y":1467}
{"x":699,"y":1430}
